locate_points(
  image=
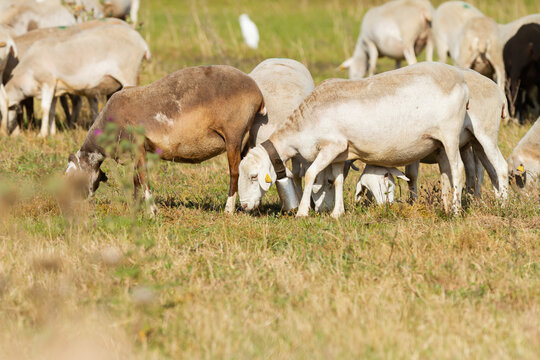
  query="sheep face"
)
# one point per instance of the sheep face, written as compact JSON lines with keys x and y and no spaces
{"x":256,"y":175}
{"x":84,"y":174}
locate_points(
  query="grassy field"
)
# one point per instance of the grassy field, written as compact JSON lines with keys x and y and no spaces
{"x":405,"y":281}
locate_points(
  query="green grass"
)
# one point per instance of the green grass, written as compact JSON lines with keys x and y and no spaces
{"x":404,"y":281}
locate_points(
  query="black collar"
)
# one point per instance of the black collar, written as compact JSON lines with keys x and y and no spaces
{"x":279,"y":167}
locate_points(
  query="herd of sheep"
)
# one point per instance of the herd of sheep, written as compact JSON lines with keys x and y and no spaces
{"x":427,"y":112}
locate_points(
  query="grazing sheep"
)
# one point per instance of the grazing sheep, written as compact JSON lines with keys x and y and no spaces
{"x":96,"y":61}
{"x":377,"y":183}
{"x":380,"y":120}
{"x":189,"y":116}
{"x":480,"y":131}
{"x":284,"y":83}
{"x":522,"y":62}
{"x":471,"y":39}
{"x":24,"y":42}
{"x":26,"y":17}
{"x":448,"y":22}
{"x":524,"y":162}
{"x":398,"y":29}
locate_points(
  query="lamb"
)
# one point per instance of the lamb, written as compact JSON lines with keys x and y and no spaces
{"x":380,"y":120}
{"x":398,"y":29}
{"x":377,"y":183}
{"x":189,"y":116}
{"x":52,"y":68}
{"x":524,"y":162}
{"x":284,"y":83}
{"x":480,"y":130}
{"x":25,"y":17}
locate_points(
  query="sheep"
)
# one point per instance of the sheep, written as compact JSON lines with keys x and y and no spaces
{"x":448,"y":21}
{"x":96,"y":61}
{"x":398,"y":29}
{"x":480,"y":130}
{"x":377,"y":183}
{"x":26,"y":16}
{"x":24,"y":42}
{"x":284,"y":84}
{"x":522,"y":62}
{"x":380,"y":120}
{"x":189,"y":116}
{"x":471,"y":38}
{"x":524,"y":162}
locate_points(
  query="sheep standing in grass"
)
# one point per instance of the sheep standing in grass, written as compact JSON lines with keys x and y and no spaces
{"x":398,"y":29}
{"x":380,"y":120}
{"x":97,"y":61}
{"x":189,"y":116}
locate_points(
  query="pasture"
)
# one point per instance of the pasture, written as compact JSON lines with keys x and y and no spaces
{"x":402,"y":281}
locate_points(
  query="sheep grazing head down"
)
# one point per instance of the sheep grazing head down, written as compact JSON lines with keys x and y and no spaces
{"x":256,"y":175}
{"x":378,"y":184}
{"x":83,"y":173}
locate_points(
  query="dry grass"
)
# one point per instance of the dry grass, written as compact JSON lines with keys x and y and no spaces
{"x":382,"y":282}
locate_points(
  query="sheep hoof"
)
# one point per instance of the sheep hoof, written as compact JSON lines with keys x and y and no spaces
{"x":229,"y":206}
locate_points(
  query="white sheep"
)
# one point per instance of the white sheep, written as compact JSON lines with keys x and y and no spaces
{"x":524,"y":162}
{"x":92,"y":62}
{"x":380,"y":120}
{"x":398,"y":29}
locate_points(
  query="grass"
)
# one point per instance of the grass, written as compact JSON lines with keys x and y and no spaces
{"x":404,"y":281}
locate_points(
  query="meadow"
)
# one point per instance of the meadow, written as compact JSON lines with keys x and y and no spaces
{"x":107,"y":281}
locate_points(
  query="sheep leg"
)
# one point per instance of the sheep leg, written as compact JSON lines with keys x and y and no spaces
{"x":47,"y":96}
{"x":133,"y":11}
{"x":398,"y":63}
{"x":493,"y":161}
{"x":65,"y":107}
{"x":409,"y":54}
{"x":429,"y":48}
{"x":52,"y":122}
{"x":373,"y":55}
{"x":94,"y":111}
{"x":411,"y":171}
{"x":337,"y":172}
{"x":76,"y":104}
{"x":479,"y":168}
{"x":452,"y":168}
{"x":470,"y":171}
{"x":140,"y":179}
{"x":325,"y":157}
{"x":442,"y":51}
{"x":234,"y":157}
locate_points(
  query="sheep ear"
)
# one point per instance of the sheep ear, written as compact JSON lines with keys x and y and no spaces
{"x":266,"y":178}
{"x":12,"y":47}
{"x":346,"y":64}
{"x":395,"y":172}
{"x":359,"y":191}
{"x":318,"y":184}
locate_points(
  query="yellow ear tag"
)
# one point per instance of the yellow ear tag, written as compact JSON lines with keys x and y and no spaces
{"x":268,"y":179}
{"x":521,"y":168}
